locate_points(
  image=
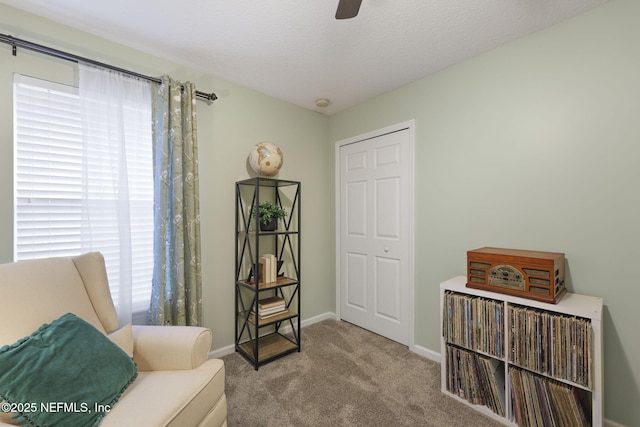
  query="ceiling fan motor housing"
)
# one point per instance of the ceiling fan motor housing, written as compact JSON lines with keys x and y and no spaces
{"x":348,"y":9}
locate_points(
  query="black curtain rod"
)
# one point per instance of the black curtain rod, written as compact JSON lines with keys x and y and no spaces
{"x":15,"y":43}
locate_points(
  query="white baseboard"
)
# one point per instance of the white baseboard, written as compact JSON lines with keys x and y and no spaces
{"x":425,"y":352}
{"x":319,"y":318}
{"x":223,"y":351}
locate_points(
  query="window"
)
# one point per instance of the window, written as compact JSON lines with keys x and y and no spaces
{"x":49,"y":184}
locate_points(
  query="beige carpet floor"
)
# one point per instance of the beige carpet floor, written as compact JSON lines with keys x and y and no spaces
{"x":344,"y":376}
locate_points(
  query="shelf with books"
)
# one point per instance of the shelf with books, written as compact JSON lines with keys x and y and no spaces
{"x":545,"y":359}
{"x":267,"y":272}
{"x":266,"y":321}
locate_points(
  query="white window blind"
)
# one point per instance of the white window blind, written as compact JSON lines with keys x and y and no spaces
{"x":49,"y":188}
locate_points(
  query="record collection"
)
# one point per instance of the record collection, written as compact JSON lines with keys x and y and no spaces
{"x":474,"y":323}
{"x":540,"y":401}
{"x":552,"y":344}
{"x":539,"y":345}
{"x":476,"y":378}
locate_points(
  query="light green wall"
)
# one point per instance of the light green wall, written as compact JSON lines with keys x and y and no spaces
{"x":227,"y":130}
{"x":534,"y":145}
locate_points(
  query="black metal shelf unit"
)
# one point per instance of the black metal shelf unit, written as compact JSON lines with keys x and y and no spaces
{"x":261,"y":339}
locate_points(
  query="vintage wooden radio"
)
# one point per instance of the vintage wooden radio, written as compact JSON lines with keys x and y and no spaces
{"x":528,"y":274}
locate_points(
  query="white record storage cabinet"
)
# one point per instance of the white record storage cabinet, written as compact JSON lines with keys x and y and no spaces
{"x":520,"y":361}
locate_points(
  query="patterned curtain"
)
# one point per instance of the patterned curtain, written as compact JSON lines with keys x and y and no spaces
{"x":176,"y":297}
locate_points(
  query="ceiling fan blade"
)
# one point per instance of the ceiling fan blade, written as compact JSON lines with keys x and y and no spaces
{"x":348,"y":9}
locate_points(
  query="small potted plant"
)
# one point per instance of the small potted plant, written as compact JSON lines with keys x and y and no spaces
{"x":269,"y":214}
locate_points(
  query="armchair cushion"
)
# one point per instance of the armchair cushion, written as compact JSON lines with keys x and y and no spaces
{"x":92,"y":270}
{"x":37,"y":291}
{"x":67,"y":363}
{"x":124,"y":338}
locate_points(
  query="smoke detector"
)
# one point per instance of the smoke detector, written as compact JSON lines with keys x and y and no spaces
{"x":322,"y":102}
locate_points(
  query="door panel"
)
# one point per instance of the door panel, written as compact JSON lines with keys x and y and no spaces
{"x":387,"y":155}
{"x":388,"y":289}
{"x":356,"y":198}
{"x":356,"y":161}
{"x":374,"y":244}
{"x":388,"y":208}
{"x":357,"y":279}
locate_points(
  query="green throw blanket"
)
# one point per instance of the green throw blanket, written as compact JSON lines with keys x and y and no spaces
{"x":67,"y":373}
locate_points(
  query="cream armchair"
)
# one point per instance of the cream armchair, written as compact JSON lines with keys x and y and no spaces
{"x":176,"y":385}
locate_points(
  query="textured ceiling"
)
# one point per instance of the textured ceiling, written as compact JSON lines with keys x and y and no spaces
{"x":296,"y":51}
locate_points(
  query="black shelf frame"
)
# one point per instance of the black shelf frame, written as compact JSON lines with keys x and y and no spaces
{"x":260,"y":348}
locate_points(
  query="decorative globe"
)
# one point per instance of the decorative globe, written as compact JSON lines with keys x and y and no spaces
{"x":266,"y":159}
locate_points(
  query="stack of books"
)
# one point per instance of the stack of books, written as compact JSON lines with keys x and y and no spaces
{"x":272,"y":306}
{"x":268,"y":268}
